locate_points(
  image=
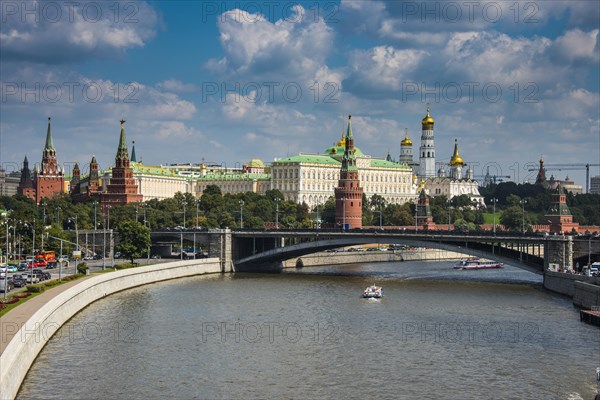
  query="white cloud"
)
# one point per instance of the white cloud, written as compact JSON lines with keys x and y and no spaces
{"x":177,"y":86}
{"x":59,"y":32}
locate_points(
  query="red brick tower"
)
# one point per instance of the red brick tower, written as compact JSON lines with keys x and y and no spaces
{"x":75,"y":181}
{"x":424,"y":218}
{"x":559,"y":215}
{"x":121,"y":188}
{"x":26,"y":185}
{"x":50,"y":180}
{"x":348,"y":194}
{"x":93,"y":179}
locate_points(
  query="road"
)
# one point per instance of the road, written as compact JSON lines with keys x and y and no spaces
{"x":70,"y":268}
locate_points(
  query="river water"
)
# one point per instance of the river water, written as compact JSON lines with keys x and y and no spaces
{"x":307,"y":333}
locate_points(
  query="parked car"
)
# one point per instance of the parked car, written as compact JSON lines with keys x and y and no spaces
{"x":22,"y":266}
{"x":9,"y":285}
{"x":12,"y":268}
{"x":3,"y":268}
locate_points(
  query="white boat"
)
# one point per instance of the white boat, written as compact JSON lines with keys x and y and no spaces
{"x":373,"y":292}
{"x":477,"y":263}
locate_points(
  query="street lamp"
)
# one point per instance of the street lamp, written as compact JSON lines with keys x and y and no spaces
{"x":523,"y":202}
{"x":184,"y":208}
{"x":6,"y":270}
{"x":76,"y":231}
{"x":95,"y":205}
{"x":241,"y":214}
{"x":449,"y":213}
{"x":277,"y":199}
{"x":343,"y":213}
{"x":197,"y":218}
{"x":494,"y":200}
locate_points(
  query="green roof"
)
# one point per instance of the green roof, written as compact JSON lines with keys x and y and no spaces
{"x":388,"y":164}
{"x":309,"y":158}
{"x":234,"y":177}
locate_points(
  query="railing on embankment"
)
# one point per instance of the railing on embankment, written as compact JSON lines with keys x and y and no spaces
{"x":32,"y":336}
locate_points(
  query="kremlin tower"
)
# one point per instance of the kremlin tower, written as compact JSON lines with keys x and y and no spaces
{"x":122,"y":188}
{"x":406,"y":153}
{"x":456,"y":163}
{"x":348,"y":194}
{"x":49,"y":180}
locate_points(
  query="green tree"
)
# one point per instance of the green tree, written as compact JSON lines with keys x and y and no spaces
{"x":134,"y":239}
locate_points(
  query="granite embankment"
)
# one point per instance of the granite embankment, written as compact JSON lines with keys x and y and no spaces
{"x":24,"y":340}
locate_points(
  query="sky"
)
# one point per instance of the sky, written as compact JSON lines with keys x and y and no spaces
{"x":227,"y":81}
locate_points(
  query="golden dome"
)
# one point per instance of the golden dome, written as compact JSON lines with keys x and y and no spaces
{"x":203,"y":166}
{"x":406,"y":141}
{"x":428,"y":121}
{"x":456,"y":160}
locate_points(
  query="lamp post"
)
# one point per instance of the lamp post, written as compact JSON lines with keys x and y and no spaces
{"x":6,"y":270}
{"x":494,"y":200}
{"x":112,"y":259}
{"x":184,"y":208}
{"x":277,"y":199}
{"x":103,"y":246}
{"x":43,"y":223}
{"x":523,"y":202}
{"x":318,"y":220}
{"x":95,"y":222}
{"x":449,"y":213}
{"x":241,"y":214}
{"x":76,"y":232}
{"x":197,"y":218}
{"x":343,"y":213}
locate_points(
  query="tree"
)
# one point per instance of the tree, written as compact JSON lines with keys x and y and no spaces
{"x":134,"y":239}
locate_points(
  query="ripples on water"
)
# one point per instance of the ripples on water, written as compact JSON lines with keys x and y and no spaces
{"x":437,"y":333}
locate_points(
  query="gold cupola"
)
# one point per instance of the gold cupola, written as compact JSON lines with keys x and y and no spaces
{"x":456,"y":160}
{"x":428,"y":121}
{"x":406,"y":141}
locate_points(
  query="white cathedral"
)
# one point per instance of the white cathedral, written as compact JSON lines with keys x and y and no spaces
{"x":450,"y":179}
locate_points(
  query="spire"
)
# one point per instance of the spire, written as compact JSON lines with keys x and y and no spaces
{"x":94,"y":160}
{"x":349,"y":130}
{"x":122,"y":150}
{"x":49,"y":142}
{"x":456,"y":159}
{"x":133,"y":158}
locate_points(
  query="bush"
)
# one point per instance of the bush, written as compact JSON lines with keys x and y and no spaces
{"x":36,"y":288}
{"x":82,"y":268}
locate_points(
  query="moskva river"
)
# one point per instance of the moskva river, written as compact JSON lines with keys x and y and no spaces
{"x":437,"y":334}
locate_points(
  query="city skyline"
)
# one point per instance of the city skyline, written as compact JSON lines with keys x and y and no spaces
{"x":171,"y":71}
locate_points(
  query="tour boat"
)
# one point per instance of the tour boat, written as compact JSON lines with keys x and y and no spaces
{"x":477,"y":263}
{"x":373,"y":292}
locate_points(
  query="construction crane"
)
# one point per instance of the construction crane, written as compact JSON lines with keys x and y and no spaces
{"x":492,"y":178}
{"x":571,"y":167}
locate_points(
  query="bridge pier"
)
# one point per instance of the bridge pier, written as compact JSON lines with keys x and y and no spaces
{"x":219,"y":245}
{"x":559,"y":251}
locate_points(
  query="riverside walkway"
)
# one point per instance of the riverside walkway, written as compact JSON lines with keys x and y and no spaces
{"x":15,"y":318}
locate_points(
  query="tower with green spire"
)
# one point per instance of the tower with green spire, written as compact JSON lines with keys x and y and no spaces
{"x":348,"y":194}
{"x":50,"y":179}
{"x":122,"y":188}
{"x":133,"y":158}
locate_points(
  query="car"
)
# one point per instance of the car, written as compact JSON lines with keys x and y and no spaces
{"x":19,"y":281}
{"x":22,"y":266}
{"x":97,"y":257}
{"x":42,"y":275}
{"x":3,"y":268}
{"x":40,"y":263}
{"x":12,"y":268}
{"x":52,"y":264}
{"x":6,"y":285}
{"x":118,"y":254}
{"x":32,"y":278}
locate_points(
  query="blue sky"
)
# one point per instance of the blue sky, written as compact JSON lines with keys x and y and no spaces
{"x":230,"y":81}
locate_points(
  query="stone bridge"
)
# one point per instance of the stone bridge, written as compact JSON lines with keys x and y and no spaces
{"x":264,"y":250}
